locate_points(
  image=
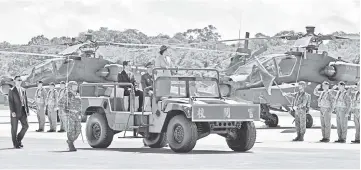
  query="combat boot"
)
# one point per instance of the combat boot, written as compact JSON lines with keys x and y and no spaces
{"x":301,"y":138}
{"x":355,"y":141}
{"x":71,"y":146}
{"x":297,"y":138}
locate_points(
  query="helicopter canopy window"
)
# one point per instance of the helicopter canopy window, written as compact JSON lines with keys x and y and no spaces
{"x":58,"y":64}
{"x":286,"y":65}
{"x":270,"y":67}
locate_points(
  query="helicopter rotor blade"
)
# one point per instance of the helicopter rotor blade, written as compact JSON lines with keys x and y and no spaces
{"x":240,"y":39}
{"x":176,"y":47}
{"x":32,"y":54}
{"x":343,"y":37}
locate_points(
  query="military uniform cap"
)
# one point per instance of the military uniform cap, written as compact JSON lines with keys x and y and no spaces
{"x":148,"y":64}
{"x":72,"y":83}
{"x":52,"y":83}
{"x":62,"y":82}
{"x":163,"y":48}
{"x":302,"y":83}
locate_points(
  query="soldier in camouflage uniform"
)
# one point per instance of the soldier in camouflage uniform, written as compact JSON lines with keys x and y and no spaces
{"x":342,"y":108}
{"x":40,"y":97}
{"x":299,"y":105}
{"x":356,"y":111}
{"x":60,"y":110}
{"x":325,"y":102}
{"x":52,"y":104}
{"x":71,"y":105}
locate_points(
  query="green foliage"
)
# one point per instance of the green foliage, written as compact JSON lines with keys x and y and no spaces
{"x":12,"y":64}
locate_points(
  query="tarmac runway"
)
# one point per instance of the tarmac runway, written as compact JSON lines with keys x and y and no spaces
{"x":273,"y":149}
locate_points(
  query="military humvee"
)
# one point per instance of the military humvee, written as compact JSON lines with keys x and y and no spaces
{"x":193,"y":109}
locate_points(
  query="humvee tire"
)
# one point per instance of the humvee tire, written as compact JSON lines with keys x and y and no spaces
{"x":309,"y":121}
{"x":246,"y":137}
{"x":182,"y":134}
{"x":156,"y":140}
{"x":274,"y":122}
{"x":98,"y":132}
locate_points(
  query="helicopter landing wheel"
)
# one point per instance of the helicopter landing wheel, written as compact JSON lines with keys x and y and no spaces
{"x":272,"y":120}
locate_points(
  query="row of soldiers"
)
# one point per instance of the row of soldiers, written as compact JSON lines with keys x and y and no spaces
{"x":340,"y":100}
{"x":66,"y":103}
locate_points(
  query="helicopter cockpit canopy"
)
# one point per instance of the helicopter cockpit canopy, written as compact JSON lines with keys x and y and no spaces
{"x":278,"y":65}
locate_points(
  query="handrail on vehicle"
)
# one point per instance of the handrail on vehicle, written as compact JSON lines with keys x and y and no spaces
{"x":132,"y":92}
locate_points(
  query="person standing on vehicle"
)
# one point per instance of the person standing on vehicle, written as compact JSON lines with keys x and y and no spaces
{"x":40,"y":98}
{"x":127,"y":77}
{"x":19,"y":111}
{"x":299,"y":106}
{"x":71,"y":105}
{"x":147,"y":79}
{"x":60,"y":110}
{"x":163,"y":61}
{"x":325,"y":102}
{"x":52,"y":104}
{"x":342,"y":108}
{"x":356,"y":111}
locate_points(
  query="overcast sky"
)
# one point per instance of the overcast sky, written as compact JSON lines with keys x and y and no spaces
{"x":21,"y":20}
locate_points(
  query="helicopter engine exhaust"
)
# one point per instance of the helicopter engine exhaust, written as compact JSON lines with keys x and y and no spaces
{"x":5,"y":84}
{"x":109,"y":72}
{"x":342,"y":71}
{"x":329,"y":71}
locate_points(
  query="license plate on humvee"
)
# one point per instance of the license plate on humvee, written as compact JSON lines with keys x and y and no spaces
{"x":225,"y":112}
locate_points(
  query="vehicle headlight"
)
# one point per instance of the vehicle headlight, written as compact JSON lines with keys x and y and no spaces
{"x":225,"y":90}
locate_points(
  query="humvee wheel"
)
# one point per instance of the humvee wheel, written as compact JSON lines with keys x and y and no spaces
{"x":272,"y":121}
{"x":245,"y":139}
{"x":182,"y":134}
{"x":309,"y":121}
{"x":156,"y":140}
{"x":98,"y":133}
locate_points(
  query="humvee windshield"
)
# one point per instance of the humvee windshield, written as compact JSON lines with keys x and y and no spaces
{"x":203,"y":88}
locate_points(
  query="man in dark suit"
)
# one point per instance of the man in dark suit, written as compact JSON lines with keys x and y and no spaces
{"x":19,"y":111}
{"x":127,"y":77}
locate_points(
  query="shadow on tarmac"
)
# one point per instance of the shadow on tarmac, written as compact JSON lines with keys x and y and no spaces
{"x":161,"y":151}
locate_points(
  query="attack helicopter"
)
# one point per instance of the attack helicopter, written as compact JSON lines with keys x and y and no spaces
{"x":81,"y":62}
{"x":303,"y":62}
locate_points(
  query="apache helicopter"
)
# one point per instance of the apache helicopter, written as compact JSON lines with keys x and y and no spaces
{"x":80,"y":62}
{"x":303,"y":62}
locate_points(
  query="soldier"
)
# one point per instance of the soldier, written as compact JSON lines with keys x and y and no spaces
{"x":299,"y":106}
{"x":356,"y":112}
{"x":325,"y":102}
{"x":52,"y":104}
{"x":60,"y":110}
{"x":342,"y":108}
{"x":71,"y":105}
{"x":40,"y":97}
{"x":147,"y":79}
